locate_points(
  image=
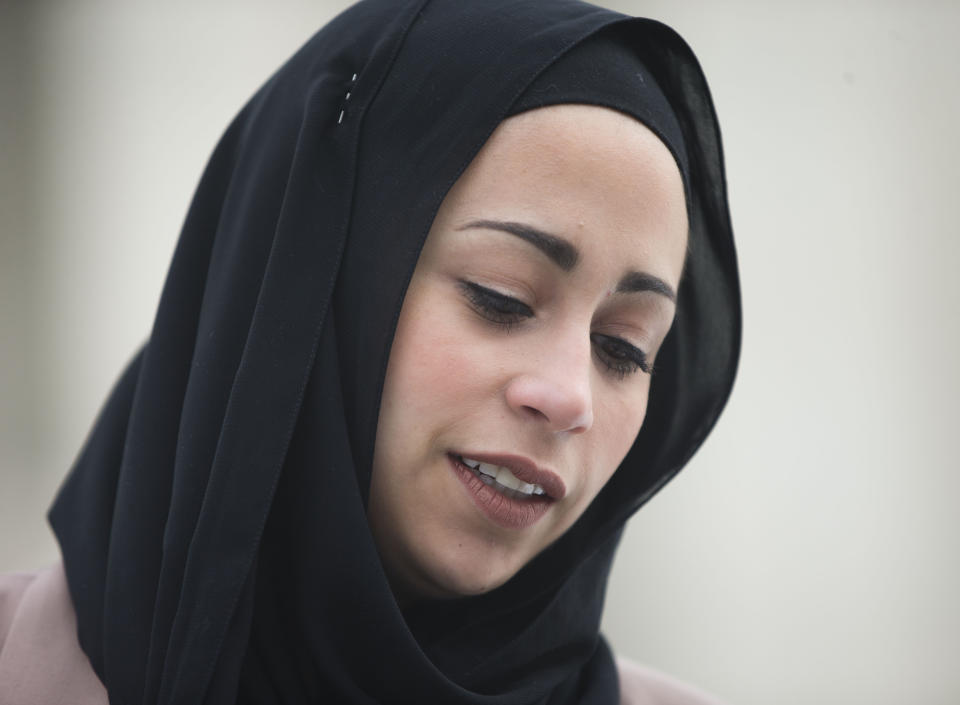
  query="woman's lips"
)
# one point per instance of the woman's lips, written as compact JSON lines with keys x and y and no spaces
{"x":512,"y":512}
{"x":523,"y":469}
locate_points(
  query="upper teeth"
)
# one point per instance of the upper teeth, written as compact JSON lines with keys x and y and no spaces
{"x":503,"y":477}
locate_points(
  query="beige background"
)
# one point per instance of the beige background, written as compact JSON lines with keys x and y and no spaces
{"x":811,"y":552}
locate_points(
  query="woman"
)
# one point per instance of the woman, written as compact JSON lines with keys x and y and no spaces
{"x":397,"y":402}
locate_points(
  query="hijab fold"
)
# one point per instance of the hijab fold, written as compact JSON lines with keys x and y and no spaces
{"x":213,"y":527}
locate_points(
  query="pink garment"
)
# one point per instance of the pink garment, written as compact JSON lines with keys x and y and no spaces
{"x":640,"y":685}
{"x":41,"y":662}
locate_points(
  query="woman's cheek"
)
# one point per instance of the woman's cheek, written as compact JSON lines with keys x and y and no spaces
{"x":434,"y":361}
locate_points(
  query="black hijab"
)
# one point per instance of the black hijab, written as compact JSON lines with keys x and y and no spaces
{"x":213,"y":528}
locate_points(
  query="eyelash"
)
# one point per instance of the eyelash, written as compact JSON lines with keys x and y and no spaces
{"x":620,"y":357}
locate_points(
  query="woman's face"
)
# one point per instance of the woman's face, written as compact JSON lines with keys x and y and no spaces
{"x":520,"y":370}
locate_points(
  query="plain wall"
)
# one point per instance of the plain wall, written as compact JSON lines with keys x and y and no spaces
{"x":811,"y":550}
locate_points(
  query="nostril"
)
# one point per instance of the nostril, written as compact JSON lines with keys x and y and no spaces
{"x":536,"y":412}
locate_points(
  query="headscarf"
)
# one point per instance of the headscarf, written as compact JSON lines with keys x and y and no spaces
{"x":213,"y":527}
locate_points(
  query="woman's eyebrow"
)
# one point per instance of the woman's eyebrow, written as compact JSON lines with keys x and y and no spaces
{"x":641,"y":281}
{"x":561,"y":252}
{"x":564,"y":254}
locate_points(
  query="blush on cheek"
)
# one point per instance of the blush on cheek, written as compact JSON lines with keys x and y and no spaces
{"x":430,"y":363}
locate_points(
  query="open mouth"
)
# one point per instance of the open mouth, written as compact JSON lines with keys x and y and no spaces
{"x":506,"y":499}
{"x":502,"y":480}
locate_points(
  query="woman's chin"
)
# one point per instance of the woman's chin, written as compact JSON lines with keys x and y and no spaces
{"x":463,"y":574}
{"x":470,"y":584}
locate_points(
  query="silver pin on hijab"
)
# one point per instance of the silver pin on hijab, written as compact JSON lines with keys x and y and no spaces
{"x":346,"y":98}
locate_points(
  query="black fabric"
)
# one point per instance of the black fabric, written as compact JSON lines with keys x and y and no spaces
{"x":213,"y":527}
{"x":607,"y":70}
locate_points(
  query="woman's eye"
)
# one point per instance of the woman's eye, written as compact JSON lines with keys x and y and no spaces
{"x":619,"y":356}
{"x":494,"y":306}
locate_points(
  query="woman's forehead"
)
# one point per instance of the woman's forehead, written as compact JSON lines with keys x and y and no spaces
{"x":593,"y":178}
{"x":548,"y":141}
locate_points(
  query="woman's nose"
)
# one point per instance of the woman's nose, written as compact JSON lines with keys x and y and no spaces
{"x":556,"y":390}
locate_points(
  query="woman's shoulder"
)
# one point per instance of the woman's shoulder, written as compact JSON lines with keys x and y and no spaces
{"x":41,"y":660}
{"x":40,"y":657}
{"x":12,"y":587}
{"x":640,"y":685}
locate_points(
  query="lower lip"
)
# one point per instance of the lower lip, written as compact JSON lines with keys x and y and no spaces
{"x":502,"y":510}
